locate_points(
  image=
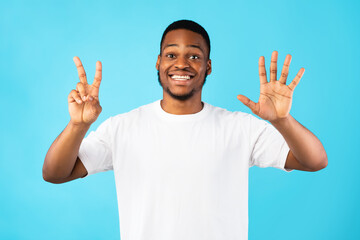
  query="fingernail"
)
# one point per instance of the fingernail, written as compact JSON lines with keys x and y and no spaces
{"x":79,"y":101}
{"x":83,"y":98}
{"x":90,"y":98}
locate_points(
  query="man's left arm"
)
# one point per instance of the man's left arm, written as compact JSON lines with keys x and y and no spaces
{"x":306,"y":151}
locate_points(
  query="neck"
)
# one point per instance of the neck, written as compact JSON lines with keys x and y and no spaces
{"x":178,"y":107}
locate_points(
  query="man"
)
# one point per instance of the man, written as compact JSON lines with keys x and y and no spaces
{"x":181,"y":165}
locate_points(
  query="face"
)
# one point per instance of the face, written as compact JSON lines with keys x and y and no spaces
{"x":183,"y":64}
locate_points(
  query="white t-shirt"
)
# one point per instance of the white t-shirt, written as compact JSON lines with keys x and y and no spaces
{"x":182,"y":176}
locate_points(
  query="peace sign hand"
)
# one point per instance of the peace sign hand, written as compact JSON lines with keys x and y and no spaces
{"x":84,"y":106}
{"x":275,"y":96}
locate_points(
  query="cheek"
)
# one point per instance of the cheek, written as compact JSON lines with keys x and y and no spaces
{"x":163,"y":67}
{"x":202,"y":68}
{"x":163,"y":73}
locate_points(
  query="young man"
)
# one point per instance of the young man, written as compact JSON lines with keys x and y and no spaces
{"x":181,"y":165}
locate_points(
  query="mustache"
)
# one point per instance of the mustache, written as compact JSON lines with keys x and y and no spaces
{"x":179,"y":97}
{"x":158,"y":74}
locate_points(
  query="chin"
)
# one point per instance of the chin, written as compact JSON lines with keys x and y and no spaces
{"x":180,"y":97}
{"x":183,"y":96}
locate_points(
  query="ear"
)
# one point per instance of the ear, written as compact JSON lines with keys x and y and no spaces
{"x":208,"y":67}
{"x":158,"y":62}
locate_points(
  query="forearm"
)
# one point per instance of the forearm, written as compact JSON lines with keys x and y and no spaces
{"x":304,"y":145}
{"x":62,"y":155}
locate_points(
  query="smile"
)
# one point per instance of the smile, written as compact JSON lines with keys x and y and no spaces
{"x":181,"y":77}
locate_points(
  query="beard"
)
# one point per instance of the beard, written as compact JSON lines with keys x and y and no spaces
{"x":180,"y":97}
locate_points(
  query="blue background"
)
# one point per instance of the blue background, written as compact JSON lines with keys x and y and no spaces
{"x":38,"y":40}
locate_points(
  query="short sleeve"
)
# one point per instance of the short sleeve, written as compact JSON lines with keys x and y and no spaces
{"x":95,"y":150}
{"x":269,"y":148}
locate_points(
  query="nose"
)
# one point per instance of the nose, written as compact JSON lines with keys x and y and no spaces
{"x":181,"y":63}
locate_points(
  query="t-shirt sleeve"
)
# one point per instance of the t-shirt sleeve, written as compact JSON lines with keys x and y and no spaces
{"x":95,"y":150}
{"x":269,"y":148}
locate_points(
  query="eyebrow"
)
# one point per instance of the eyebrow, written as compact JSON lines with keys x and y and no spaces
{"x":190,"y":45}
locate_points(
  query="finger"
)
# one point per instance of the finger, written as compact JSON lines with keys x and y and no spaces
{"x":262,"y":70}
{"x":247,"y":102}
{"x":74,"y":97}
{"x":296,"y":80}
{"x":285,"y":69}
{"x":98,"y":77}
{"x":80,"y":69}
{"x":273,"y":66}
{"x":82,"y":90}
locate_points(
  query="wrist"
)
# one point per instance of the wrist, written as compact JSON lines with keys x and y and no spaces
{"x":281,"y":122}
{"x":79,"y":127}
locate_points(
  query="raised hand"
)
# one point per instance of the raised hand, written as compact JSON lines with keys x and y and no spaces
{"x":84,"y":106}
{"x":275,"y":96}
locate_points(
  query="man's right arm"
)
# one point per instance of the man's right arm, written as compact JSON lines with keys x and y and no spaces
{"x":62,"y":163}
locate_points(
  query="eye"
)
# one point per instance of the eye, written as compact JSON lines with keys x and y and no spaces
{"x":194,"y":57}
{"x":170,"y":55}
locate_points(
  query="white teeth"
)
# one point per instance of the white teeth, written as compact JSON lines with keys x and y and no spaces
{"x":180,"y":78}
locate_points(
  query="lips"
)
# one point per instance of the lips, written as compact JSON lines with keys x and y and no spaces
{"x":181,"y":80}
{"x":181,"y":76}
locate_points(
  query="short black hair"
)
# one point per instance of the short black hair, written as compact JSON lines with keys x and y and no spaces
{"x":188,"y":25}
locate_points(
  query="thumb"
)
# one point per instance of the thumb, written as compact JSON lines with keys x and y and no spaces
{"x":247,"y":102}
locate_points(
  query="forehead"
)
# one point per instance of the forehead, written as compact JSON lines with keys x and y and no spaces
{"x":184,"y":37}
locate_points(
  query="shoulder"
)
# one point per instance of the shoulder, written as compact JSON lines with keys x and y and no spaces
{"x":227,"y":115}
{"x":237,"y":119}
{"x":133,"y":115}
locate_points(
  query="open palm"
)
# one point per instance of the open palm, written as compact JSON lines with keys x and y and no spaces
{"x":275,"y":96}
